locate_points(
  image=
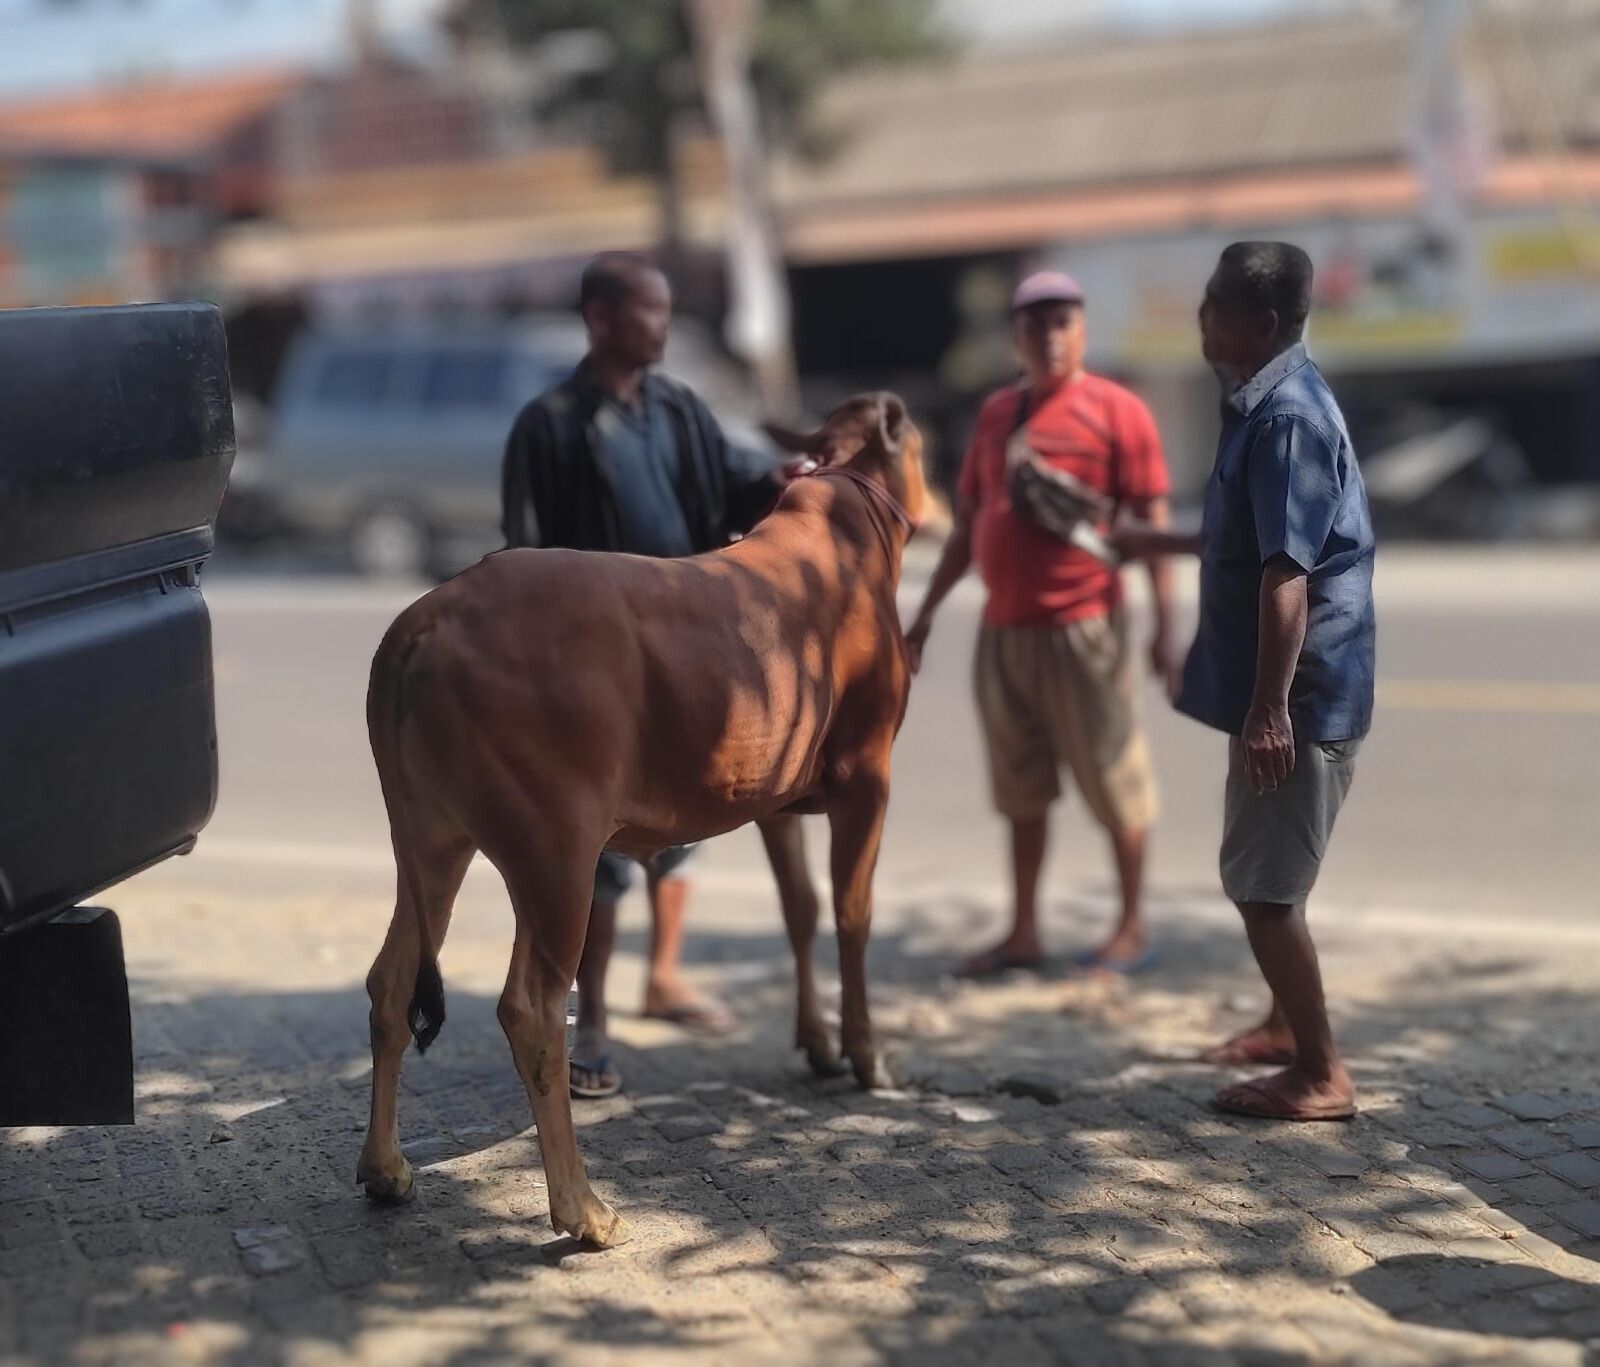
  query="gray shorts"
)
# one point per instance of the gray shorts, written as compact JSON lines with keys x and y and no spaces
{"x":1272,"y":845}
{"x":613,"y":876}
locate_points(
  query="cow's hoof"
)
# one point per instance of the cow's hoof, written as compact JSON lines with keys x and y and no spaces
{"x":871,"y":1073}
{"x":596,"y":1224}
{"x":389,"y":1189}
{"x":824,"y":1062}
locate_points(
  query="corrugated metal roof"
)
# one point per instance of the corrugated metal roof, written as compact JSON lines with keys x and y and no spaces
{"x":1120,"y":110}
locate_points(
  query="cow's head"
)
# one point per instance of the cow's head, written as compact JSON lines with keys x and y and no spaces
{"x":871,"y":433}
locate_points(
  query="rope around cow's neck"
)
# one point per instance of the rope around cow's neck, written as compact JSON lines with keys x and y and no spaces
{"x":872,"y":486}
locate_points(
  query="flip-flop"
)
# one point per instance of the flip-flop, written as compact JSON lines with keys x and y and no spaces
{"x":584,"y":1060}
{"x":1142,"y":962}
{"x":1245,"y":1052}
{"x":704,"y":1017}
{"x":992,"y":963}
{"x":1269,"y":1105}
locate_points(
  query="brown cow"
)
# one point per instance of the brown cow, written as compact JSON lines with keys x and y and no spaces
{"x":547,"y":703}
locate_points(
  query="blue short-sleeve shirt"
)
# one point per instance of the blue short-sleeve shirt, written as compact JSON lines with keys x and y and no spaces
{"x":1286,"y":483}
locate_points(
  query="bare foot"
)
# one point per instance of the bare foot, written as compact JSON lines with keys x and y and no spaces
{"x":674,"y":1000}
{"x":1260,"y":1045}
{"x":1292,"y":1095}
{"x":1015,"y":951}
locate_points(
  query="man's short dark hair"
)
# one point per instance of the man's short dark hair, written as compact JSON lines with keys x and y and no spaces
{"x":1276,"y":276}
{"x":610,"y":278}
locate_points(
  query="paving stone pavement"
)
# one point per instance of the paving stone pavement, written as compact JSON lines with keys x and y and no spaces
{"x":1047,"y":1186}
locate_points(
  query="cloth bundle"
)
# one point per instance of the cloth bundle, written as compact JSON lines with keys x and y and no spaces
{"x":1059,"y":502}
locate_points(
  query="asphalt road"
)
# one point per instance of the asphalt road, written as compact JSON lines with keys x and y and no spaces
{"x":1476,"y":793}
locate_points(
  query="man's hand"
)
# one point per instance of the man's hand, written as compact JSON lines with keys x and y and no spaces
{"x":1268,"y":746}
{"x":917,"y":638}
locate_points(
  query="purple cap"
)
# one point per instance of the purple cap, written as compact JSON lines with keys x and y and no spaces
{"x":1046,"y":287}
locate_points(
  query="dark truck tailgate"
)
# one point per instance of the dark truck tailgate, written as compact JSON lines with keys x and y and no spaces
{"x":116,"y":439}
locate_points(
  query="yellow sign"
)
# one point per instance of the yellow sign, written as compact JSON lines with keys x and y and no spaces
{"x":1361,"y":334}
{"x":1544,"y":253}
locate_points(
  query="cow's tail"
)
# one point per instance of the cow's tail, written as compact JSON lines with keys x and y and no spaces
{"x":389,"y":697}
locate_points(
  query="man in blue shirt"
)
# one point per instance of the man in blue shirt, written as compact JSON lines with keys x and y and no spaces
{"x":1283,"y":658}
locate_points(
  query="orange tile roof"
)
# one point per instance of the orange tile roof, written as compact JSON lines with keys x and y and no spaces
{"x":159,"y":120}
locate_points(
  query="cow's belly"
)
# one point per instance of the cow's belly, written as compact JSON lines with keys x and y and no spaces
{"x":756,"y":766}
{"x":650,"y":831}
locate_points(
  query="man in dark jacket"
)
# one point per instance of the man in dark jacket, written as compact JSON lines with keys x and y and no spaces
{"x":620,"y":458}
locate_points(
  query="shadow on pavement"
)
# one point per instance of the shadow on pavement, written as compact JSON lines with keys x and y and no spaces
{"x":779,"y":1218}
{"x":1479,"y":1303}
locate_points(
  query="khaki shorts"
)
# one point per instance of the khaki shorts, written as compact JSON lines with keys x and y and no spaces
{"x":1272,"y":844}
{"x":1052,"y":696}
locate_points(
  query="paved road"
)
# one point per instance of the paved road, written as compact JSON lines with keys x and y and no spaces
{"x":1050,"y":1186}
{"x":1476,"y":793}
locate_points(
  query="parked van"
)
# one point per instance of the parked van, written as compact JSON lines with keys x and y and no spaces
{"x":390,"y":443}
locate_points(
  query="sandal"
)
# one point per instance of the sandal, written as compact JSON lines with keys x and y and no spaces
{"x":704,"y":1017}
{"x":590,"y":1058}
{"x":1261,"y":1102}
{"x":1093,"y":962}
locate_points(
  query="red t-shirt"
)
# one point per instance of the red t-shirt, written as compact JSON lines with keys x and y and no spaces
{"x":1093,"y":429}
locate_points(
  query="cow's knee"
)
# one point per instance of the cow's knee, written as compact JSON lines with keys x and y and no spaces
{"x":515,"y":1014}
{"x":536,"y":1046}
{"x":388,"y":990}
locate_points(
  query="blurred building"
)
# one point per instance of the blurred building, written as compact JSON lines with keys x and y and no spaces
{"x":503,"y":232}
{"x":1439,"y":158}
{"x":1441,"y":162}
{"x":118,"y":194}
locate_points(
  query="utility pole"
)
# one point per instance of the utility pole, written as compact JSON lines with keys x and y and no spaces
{"x":759,"y":317}
{"x":365,"y":33}
{"x":1447,"y":129}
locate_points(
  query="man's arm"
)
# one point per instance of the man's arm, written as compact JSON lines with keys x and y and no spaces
{"x":751,"y":479}
{"x":1268,"y":733}
{"x":1147,"y":541}
{"x":954,"y":560}
{"x":1294,"y":484}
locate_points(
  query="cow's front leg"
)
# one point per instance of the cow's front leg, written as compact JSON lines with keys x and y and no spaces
{"x":784,"y":837}
{"x":855,"y":815}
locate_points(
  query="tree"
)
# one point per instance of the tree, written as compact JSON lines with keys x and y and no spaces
{"x":638,"y":86}
{"x":638,"y":81}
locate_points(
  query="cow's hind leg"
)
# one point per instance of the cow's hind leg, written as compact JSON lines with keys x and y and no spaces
{"x":855,"y":815}
{"x":437,"y":854}
{"x":784,"y":837}
{"x":550,"y":896}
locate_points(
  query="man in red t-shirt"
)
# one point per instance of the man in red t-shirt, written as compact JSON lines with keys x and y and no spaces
{"x":1054,"y":675}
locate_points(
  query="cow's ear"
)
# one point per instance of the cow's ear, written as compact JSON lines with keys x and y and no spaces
{"x":891,"y":422}
{"x":802,"y":443}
